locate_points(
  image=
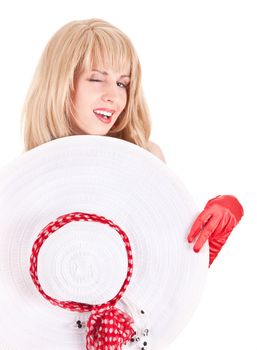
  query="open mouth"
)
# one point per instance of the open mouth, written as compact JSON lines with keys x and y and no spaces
{"x":104,"y":115}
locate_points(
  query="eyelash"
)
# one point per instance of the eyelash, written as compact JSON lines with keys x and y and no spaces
{"x":124,"y":86}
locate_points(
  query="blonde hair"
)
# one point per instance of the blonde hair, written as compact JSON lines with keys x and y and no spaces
{"x":75,"y":47}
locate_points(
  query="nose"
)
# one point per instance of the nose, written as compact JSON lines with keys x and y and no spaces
{"x":110,"y":94}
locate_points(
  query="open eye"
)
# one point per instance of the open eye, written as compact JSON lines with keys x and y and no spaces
{"x":123,"y":85}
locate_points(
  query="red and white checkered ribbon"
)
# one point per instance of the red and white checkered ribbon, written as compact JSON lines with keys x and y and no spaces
{"x":108,"y":328}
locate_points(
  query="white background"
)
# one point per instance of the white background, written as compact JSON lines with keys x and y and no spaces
{"x":199,"y":64}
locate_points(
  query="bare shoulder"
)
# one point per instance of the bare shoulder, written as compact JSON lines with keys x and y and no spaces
{"x":156,"y":150}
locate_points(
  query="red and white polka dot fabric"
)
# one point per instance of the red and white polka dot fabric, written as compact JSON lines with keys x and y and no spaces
{"x":109,"y":329}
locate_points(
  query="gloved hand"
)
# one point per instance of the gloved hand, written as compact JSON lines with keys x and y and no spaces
{"x":215,"y":223}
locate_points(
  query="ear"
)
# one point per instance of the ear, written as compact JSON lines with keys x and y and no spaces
{"x":156,"y":150}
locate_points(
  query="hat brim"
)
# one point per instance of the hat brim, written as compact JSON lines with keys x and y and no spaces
{"x":86,"y":262}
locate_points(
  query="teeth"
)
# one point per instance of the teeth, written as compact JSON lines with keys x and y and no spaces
{"x":104,"y":113}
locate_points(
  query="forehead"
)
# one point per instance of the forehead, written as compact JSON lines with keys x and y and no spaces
{"x":119,"y":66}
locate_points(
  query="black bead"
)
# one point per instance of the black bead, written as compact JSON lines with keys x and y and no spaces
{"x":142,"y":312}
{"x":142,"y":348}
{"x":144,"y":343}
{"x":132,"y":339}
{"x":79,"y":324}
{"x":146,"y":331}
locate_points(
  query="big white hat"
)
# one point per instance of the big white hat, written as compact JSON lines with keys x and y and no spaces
{"x":120,"y":203}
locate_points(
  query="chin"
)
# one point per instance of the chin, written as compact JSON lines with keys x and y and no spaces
{"x":98,"y":132}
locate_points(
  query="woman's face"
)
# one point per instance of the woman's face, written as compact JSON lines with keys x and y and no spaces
{"x":96,"y":92}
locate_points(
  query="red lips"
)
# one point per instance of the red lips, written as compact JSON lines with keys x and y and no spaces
{"x":104,"y":120}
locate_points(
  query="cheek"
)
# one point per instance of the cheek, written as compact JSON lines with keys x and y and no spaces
{"x":82,"y":99}
{"x":123,"y":100}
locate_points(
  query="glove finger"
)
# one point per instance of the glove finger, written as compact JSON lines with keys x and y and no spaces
{"x":198,"y":224}
{"x":206,"y":232}
{"x":214,"y":244}
{"x":219,"y":238}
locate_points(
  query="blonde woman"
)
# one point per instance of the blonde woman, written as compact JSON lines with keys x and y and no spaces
{"x":88,"y":81}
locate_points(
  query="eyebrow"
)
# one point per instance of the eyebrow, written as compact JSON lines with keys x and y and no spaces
{"x":105,"y":73}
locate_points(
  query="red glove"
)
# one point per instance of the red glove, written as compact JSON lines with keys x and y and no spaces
{"x":215,"y":223}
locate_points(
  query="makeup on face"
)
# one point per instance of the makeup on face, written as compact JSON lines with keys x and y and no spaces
{"x":100,"y":97}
